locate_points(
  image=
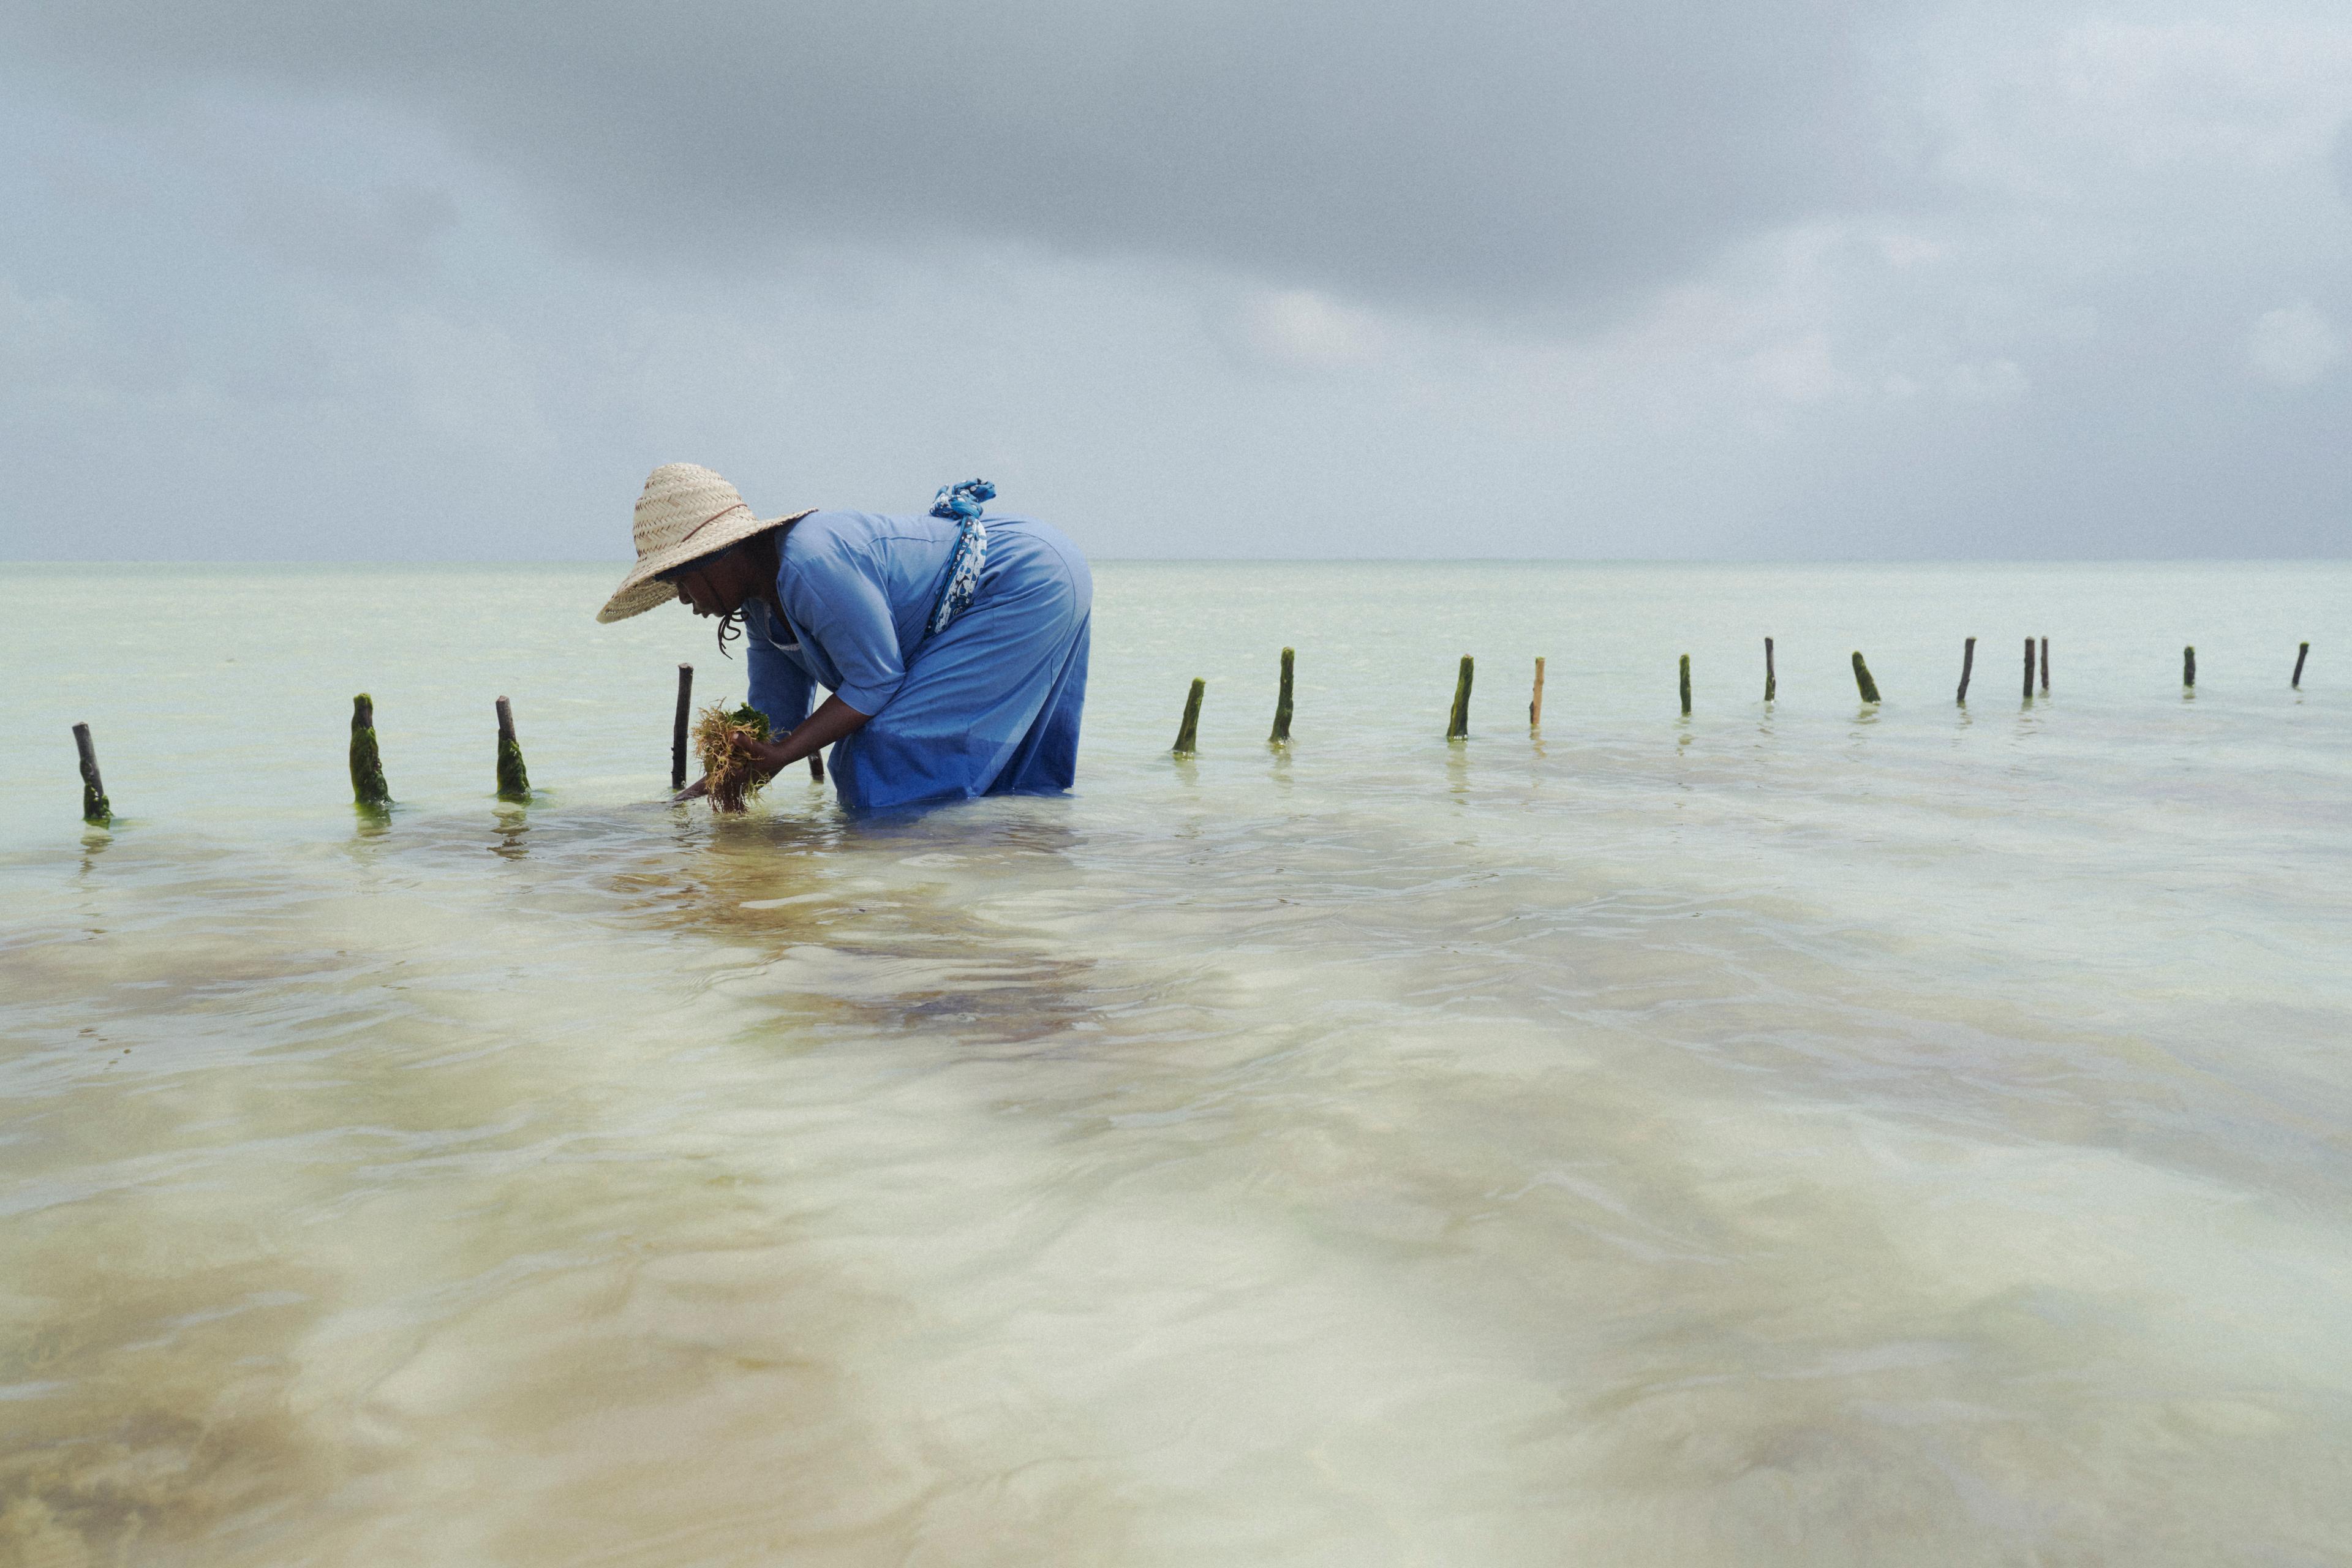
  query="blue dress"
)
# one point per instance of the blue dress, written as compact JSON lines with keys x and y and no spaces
{"x":990,"y":706}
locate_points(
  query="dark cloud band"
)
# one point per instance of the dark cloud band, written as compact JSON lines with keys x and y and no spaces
{"x":1509,"y":152}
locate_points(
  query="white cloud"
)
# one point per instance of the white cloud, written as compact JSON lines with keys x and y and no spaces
{"x":472,"y":382}
{"x":53,"y":350}
{"x":1908,"y":249}
{"x":36,"y":332}
{"x":2296,"y":344}
{"x":1987,"y":381}
{"x":1308,"y":331}
{"x":1801,"y":370}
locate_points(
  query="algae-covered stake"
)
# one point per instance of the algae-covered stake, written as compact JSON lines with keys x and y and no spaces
{"x":1771,"y":684}
{"x":1868,"y":687}
{"x":2300,"y":655}
{"x":2045,"y":667}
{"x":2189,"y":667}
{"x":514,"y":779}
{"x":1535,"y":705}
{"x":2029,"y":669}
{"x":1968,"y":663}
{"x":722,"y":741}
{"x":1281,"y":733}
{"x":1457,"y":725}
{"x":1686,"y":686}
{"x":96,"y":809}
{"x":677,"y":729}
{"x":368,"y":788}
{"x":1187,"y":733}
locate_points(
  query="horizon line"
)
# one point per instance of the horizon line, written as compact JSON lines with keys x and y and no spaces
{"x":615,"y":563}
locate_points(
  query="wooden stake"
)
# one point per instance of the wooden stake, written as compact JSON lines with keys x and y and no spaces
{"x":514,"y":779}
{"x":1187,"y":733}
{"x":678,"y":729}
{"x":1686,"y":686}
{"x":1967,"y":664}
{"x":1280,"y":735}
{"x":2029,"y":669}
{"x":1457,"y":726}
{"x":96,"y":809}
{"x":2045,"y":667}
{"x":2189,"y":667}
{"x":2300,"y":655}
{"x":1862,"y":681}
{"x":1535,"y":706}
{"x":816,"y":765}
{"x":368,"y":788}
{"x":1771,"y":683}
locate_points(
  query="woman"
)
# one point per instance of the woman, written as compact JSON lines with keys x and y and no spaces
{"x":954,"y":646}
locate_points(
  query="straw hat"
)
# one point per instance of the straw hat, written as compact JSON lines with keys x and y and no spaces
{"x":684,"y":513}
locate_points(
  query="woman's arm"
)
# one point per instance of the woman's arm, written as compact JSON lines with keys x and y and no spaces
{"x":833,"y":720}
{"x":780,"y":688}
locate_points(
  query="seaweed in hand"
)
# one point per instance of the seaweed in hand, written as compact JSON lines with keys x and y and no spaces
{"x":733,"y":771}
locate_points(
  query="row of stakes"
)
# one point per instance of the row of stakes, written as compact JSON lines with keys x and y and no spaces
{"x":369,"y":789}
{"x":1457,"y":726}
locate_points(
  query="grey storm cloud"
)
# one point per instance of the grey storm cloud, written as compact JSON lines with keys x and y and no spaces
{"x":1507,"y":152}
{"x":1697,"y":277}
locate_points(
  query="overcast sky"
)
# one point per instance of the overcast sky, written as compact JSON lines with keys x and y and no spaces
{"x":1677,"y":279}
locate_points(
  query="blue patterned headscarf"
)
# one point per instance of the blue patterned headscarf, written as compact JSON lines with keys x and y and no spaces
{"x":962,"y":501}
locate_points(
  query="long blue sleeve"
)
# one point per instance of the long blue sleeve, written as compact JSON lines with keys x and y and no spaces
{"x":780,"y":688}
{"x":834,"y":591}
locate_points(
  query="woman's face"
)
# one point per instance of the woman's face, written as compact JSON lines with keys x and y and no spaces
{"x":718,"y":585}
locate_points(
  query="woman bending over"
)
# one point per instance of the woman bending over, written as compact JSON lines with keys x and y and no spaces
{"x":954,"y":645}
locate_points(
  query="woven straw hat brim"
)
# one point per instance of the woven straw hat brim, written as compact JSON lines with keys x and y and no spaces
{"x":639,"y":591}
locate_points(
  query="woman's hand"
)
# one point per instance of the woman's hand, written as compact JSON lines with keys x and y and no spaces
{"x":774,"y":756}
{"x":833,"y":720}
{"x":770,"y":764}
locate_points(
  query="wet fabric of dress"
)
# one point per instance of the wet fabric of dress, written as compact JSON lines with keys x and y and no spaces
{"x":988,"y":706}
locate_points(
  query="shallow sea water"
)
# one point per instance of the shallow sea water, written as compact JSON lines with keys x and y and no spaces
{"x":1808,"y":1135}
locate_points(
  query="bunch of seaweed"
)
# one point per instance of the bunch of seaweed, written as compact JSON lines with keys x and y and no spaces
{"x":722,"y":739}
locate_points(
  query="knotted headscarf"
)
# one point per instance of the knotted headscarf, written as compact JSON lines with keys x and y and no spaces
{"x":962,"y":501}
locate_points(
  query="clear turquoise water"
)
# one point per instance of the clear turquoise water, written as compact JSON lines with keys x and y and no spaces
{"x":1815,"y":1134}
